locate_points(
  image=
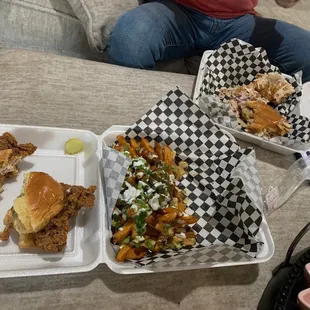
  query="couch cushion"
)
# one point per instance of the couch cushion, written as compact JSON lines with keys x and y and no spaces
{"x":48,"y":5}
{"x":45,"y":25}
{"x":99,"y":16}
{"x":38,"y":88}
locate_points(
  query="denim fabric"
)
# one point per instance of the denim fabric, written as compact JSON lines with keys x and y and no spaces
{"x":163,"y":30}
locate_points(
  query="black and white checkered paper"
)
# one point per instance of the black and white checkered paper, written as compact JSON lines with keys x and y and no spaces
{"x":222,"y":183}
{"x":114,"y":165}
{"x":237,"y":63}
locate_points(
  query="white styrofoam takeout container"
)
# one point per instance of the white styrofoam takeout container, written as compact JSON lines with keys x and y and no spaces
{"x":303,"y":109}
{"x":89,"y":239}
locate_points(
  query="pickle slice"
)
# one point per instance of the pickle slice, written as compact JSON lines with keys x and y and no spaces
{"x":74,"y":146}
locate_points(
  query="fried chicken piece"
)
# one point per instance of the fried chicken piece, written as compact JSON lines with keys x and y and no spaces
{"x":259,"y":118}
{"x":8,"y":141}
{"x":53,"y":238}
{"x":236,"y":95}
{"x":2,"y":178}
{"x":5,"y":234}
{"x":273,"y":87}
{"x":8,"y":222}
{"x":11,"y":153}
{"x":249,"y":103}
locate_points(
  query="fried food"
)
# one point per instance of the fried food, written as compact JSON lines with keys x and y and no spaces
{"x":261,"y":119}
{"x":249,"y":103}
{"x":40,"y":200}
{"x":53,"y":238}
{"x":149,"y":215}
{"x":273,"y":87}
{"x":11,"y":153}
{"x":42,"y":212}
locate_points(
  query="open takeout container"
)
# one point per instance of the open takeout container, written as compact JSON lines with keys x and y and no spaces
{"x":237,"y":63}
{"x":89,"y":239}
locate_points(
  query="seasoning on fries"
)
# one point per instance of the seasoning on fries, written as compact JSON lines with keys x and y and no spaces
{"x":149,"y":216}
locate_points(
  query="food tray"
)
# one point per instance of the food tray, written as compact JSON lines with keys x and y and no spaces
{"x":84,"y":249}
{"x":89,"y":240}
{"x":303,"y":109}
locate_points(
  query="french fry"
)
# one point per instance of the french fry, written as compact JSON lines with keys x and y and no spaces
{"x":177,"y":194}
{"x":168,"y":218}
{"x":162,"y":226}
{"x":122,"y":253}
{"x":121,"y":141}
{"x":132,"y":152}
{"x":124,"y":232}
{"x":131,"y":180}
{"x":152,"y":220}
{"x":159,"y":150}
{"x":134,"y":144}
{"x":136,"y":253}
{"x":188,"y":219}
{"x":170,"y":210}
{"x":156,"y":248}
{"x":117,"y":148}
{"x":146,"y":144}
{"x":189,"y":241}
{"x":134,"y":232}
{"x":151,"y":232}
{"x":153,"y":168}
{"x":181,"y":206}
{"x":144,"y":153}
{"x":168,"y":158}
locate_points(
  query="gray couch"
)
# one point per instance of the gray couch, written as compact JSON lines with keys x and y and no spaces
{"x":52,"y":26}
{"x":44,"y":89}
{"x":41,"y":89}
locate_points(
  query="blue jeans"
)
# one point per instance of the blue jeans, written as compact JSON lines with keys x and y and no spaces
{"x":163,"y":30}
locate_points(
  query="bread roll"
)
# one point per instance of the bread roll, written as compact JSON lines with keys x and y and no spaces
{"x":42,"y":198}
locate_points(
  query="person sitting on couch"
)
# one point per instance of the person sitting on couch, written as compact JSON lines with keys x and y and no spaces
{"x":162,"y":30}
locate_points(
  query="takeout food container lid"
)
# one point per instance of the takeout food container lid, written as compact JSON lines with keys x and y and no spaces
{"x":302,"y":109}
{"x":89,"y":239}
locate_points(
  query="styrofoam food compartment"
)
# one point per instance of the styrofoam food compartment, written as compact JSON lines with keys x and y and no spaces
{"x":303,"y":109}
{"x":89,"y":239}
{"x":84,"y":247}
{"x":264,"y":234}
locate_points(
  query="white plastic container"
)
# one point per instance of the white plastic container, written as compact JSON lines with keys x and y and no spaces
{"x":89,"y":239}
{"x":303,"y":109}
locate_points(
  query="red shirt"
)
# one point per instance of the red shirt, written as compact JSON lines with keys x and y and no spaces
{"x":222,"y":8}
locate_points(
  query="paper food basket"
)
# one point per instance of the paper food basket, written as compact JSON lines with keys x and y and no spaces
{"x":89,"y":240}
{"x":235,"y":59}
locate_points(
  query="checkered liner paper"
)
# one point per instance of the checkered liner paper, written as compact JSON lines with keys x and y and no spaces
{"x":237,"y":63}
{"x":222,"y":183}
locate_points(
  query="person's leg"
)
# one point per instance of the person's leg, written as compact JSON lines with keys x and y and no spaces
{"x":159,"y":30}
{"x":287,"y":46}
